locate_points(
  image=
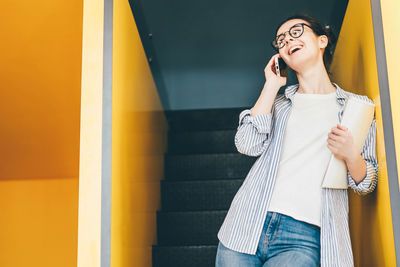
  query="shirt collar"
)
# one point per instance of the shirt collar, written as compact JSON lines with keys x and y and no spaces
{"x":340,"y":93}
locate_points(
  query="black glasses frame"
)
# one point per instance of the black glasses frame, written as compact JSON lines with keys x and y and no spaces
{"x":274,"y":43}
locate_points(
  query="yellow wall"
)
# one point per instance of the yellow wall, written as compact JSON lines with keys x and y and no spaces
{"x":139,"y":142}
{"x":38,"y":222}
{"x":354,"y":68}
{"x":39,"y":139}
{"x":391,"y":29}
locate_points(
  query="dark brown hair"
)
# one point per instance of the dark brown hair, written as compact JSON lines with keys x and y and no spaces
{"x":319,"y":30}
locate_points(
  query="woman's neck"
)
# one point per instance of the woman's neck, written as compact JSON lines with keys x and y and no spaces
{"x":315,"y":81}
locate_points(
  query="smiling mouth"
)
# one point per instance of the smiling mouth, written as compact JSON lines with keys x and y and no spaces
{"x":295,"y":50}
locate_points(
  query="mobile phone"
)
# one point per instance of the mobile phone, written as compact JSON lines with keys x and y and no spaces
{"x":280,"y":67}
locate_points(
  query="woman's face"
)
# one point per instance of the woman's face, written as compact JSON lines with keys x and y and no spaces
{"x":311,"y":46}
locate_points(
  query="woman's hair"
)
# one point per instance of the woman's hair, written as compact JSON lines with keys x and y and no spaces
{"x":318,"y":30}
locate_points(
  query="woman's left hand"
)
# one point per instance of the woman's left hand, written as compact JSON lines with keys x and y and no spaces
{"x":340,"y":143}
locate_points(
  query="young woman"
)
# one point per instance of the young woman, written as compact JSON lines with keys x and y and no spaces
{"x":281,"y":216}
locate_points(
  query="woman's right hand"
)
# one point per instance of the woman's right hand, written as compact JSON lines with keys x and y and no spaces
{"x":271,"y":87}
{"x":270,"y":74}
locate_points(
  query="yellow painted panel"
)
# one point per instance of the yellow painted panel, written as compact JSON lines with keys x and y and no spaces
{"x":40,"y":72}
{"x":354,"y":68}
{"x":39,"y":222}
{"x":139,"y":132}
{"x":391,"y":30}
{"x":40,"y":75}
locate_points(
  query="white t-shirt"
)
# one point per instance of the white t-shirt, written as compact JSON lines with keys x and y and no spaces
{"x":304,"y":156}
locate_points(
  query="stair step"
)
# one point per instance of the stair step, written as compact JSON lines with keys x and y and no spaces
{"x":184,"y":256}
{"x":207,"y":166}
{"x":203,"y":119}
{"x":189,"y":228}
{"x":198,"y":195}
{"x":201,"y":142}
{"x":203,"y":172}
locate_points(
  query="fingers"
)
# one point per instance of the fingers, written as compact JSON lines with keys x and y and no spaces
{"x":344,"y":128}
{"x":271,"y":64}
{"x":271,"y":61}
{"x":271,"y":74}
{"x":332,"y":138}
{"x":331,"y":143}
{"x":339,"y":130}
{"x":338,"y":134}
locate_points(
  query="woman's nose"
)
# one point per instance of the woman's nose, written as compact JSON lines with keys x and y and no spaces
{"x":287,"y":40}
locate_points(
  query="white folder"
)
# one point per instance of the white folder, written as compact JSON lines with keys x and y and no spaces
{"x":357,"y":117}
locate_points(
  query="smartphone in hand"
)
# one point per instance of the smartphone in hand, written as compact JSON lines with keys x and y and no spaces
{"x":280,"y":67}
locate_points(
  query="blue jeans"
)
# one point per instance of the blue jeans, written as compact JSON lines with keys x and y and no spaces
{"x":284,"y":241}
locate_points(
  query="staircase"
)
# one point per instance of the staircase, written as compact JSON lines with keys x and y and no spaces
{"x":203,"y":172}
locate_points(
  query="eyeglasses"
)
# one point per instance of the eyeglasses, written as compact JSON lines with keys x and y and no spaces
{"x":295,"y":31}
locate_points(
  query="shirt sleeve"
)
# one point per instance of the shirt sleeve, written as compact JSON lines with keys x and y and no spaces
{"x":253,"y":134}
{"x":368,"y":153}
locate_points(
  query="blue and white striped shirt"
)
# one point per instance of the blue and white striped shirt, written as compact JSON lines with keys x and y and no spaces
{"x":262,"y":135}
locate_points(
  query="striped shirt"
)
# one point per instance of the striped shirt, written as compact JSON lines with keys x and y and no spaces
{"x":262,"y":136}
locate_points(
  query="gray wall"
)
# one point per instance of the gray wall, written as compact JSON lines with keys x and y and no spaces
{"x":212,"y":54}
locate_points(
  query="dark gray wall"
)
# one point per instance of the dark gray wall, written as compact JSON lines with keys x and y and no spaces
{"x":212,"y":54}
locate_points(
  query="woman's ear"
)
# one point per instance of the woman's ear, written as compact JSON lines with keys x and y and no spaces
{"x":322,"y":41}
